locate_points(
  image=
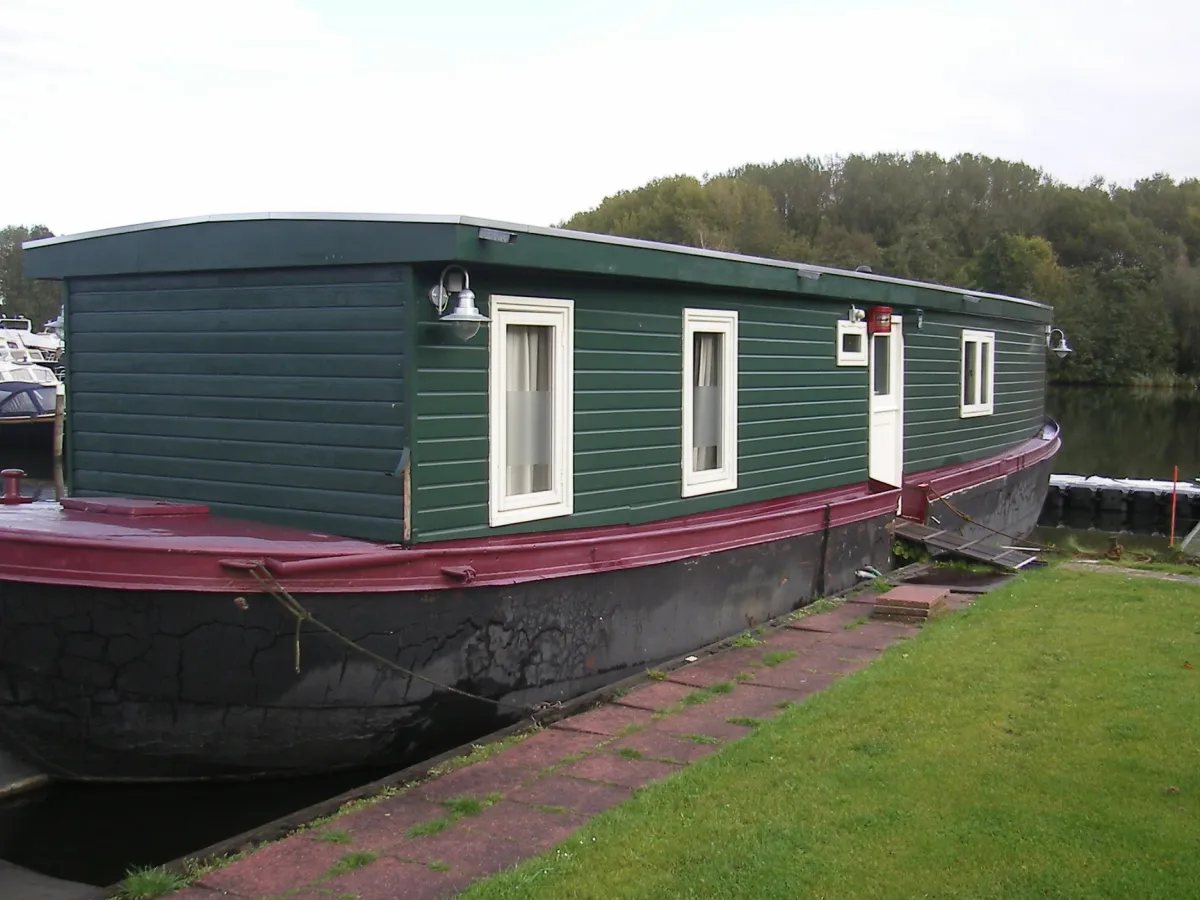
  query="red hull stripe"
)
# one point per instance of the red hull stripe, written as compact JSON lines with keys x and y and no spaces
{"x":94,"y":546}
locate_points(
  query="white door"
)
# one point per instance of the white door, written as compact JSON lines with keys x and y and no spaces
{"x":886,"y":406}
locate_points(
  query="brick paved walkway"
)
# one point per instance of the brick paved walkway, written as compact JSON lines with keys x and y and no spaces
{"x":438,"y":837}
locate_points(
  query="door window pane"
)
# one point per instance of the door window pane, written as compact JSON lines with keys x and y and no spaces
{"x":881,"y":346}
{"x":529,"y":426}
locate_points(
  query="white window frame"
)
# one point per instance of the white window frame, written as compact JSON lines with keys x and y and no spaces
{"x":845,"y":358}
{"x":505,"y":509}
{"x":725,"y":323}
{"x":980,"y":339}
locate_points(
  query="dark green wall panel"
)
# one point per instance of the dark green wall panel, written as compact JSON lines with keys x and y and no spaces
{"x":802,"y":422}
{"x":278,"y":396}
{"x":934,"y":432}
{"x":283,"y":396}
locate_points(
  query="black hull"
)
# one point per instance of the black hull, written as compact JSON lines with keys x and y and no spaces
{"x":1008,"y":507}
{"x":107,"y":684}
{"x":27,"y":435}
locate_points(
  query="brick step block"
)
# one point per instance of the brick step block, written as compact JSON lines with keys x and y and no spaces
{"x":911,"y":602}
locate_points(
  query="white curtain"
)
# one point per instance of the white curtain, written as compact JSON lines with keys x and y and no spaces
{"x":529,"y":424}
{"x":706,"y":401}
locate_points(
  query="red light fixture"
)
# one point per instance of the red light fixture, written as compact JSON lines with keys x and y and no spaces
{"x":879,"y":320}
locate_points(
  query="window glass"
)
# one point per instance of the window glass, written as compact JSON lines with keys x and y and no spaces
{"x":985,"y":368}
{"x":881,"y":345}
{"x":970,"y":358}
{"x":706,"y":400}
{"x":530,"y":426}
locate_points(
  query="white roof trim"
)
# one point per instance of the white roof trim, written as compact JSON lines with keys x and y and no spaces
{"x":801,"y":269}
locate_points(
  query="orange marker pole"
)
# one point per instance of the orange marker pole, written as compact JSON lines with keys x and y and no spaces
{"x":1174,"y":497}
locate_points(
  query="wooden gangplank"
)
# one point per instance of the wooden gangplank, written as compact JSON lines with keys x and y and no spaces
{"x":941,"y":542}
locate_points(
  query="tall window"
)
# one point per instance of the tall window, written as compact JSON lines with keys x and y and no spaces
{"x":531,"y":346}
{"x":710,"y":375}
{"x":978,"y":372}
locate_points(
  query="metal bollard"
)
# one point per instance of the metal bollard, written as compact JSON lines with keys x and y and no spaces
{"x":12,"y":487}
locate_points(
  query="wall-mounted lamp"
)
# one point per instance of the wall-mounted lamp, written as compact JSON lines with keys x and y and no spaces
{"x":1059,"y":348}
{"x":466,"y":317}
{"x":856,"y":314}
{"x":919,"y":315}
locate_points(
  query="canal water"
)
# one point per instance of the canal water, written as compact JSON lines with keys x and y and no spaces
{"x":1124,"y":433}
{"x":94,"y":833}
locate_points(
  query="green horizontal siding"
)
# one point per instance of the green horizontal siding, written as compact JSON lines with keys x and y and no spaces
{"x":934,"y":432}
{"x":273,"y":366}
{"x":282,"y":396}
{"x":802,"y":420}
{"x":274,"y":396}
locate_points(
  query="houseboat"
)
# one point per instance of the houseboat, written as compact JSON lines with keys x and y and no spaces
{"x":344,"y":486}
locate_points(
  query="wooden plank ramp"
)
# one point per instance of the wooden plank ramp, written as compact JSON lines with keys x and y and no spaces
{"x":941,"y":542}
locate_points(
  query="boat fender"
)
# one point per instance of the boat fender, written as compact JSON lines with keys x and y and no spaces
{"x":461,"y":574}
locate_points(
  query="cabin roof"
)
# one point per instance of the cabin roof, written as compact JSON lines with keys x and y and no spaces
{"x":288,"y":240}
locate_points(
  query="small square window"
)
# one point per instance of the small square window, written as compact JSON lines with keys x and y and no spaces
{"x":530,"y":409}
{"x":978,"y":373}
{"x":710,"y":375}
{"x":851,"y":343}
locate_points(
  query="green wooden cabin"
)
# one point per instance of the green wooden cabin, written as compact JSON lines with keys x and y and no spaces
{"x":294,"y":370}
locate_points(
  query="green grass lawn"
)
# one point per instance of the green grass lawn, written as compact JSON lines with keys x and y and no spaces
{"x":1045,"y":743}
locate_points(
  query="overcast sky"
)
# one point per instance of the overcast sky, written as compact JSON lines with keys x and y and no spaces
{"x":125,"y":111}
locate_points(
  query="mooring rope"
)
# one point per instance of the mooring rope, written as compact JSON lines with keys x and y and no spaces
{"x":302,"y":615}
{"x":962,"y":515}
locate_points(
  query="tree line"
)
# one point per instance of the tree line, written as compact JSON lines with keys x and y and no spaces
{"x":38,"y":301}
{"x":1120,"y":265}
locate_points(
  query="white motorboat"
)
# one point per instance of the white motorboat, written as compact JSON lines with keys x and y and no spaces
{"x":44,"y":349}
{"x":28,"y":395}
